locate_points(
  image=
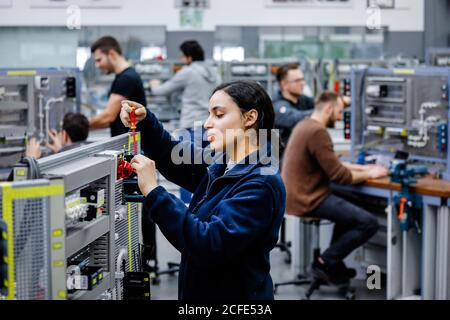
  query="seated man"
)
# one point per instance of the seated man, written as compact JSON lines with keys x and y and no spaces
{"x":75,"y":130}
{"x":291,"y":105}
{"x":310,"y":166}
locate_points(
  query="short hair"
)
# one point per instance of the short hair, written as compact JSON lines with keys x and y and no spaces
{"x":283,"y":70}
{"x":76,"y":125}
{"x":325,"y":98}
{"x":105,"y":44}
{"x":193,"y":49}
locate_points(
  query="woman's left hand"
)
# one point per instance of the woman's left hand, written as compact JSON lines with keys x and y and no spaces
{"x":146,"y":173}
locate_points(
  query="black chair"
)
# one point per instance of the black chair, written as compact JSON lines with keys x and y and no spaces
{"x":284,"y":245}
{"x":313,"y":282}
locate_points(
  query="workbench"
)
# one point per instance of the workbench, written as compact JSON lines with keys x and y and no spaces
{"x":417,"y":265}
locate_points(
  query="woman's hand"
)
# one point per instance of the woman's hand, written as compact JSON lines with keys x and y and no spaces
{"x":127,"y":107}
{"x":146,"y":173}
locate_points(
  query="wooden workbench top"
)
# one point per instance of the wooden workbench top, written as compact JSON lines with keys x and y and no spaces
{"x":426,"y":186}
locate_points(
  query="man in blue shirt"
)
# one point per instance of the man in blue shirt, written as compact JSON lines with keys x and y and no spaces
{"x":291,"y":105}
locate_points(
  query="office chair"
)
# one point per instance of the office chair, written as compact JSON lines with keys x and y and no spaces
{"x":284,"y":245}
{"x":313,"y":282}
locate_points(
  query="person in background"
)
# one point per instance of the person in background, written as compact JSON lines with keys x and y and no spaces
{"x":75,"y":131}
{"x":126,"y":85}
{"x":310,"y":165}
{"x":291,"y":105}
{"x":197,"y":79}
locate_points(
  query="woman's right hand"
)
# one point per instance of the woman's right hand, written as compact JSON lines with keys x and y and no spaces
{"x":127,"y":107}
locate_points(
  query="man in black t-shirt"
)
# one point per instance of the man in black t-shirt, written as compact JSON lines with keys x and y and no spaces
{"x":126,"y":86}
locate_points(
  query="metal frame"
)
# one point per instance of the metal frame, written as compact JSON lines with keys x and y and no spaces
{"x":416,"y":261}
{"x":430,"y":52}
{"x":72,"y":170}
{"x":425,"y":71}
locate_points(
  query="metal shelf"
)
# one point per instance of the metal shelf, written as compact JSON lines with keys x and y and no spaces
{"x":94,"y":293}
{"x":80,"y":172}
{"x":79,"y":237}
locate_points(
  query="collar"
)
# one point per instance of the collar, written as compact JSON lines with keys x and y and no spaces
{"x":261,"y":157}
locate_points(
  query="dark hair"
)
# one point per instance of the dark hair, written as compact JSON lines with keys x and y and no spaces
{"x":105,"y":44}
{"x":251,"y":95}
{"x":283,"y":70}
{"x":325,"y":98}
{"x":193,"y":49}
{"x":76,"y":125}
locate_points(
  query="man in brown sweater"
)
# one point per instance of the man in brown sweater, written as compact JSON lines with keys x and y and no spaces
{"x":309,"y":166}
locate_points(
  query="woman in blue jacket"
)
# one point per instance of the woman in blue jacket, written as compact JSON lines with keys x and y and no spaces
{"x":232,"y":223}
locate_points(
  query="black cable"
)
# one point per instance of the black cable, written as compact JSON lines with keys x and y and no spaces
{"x":361,"y":111}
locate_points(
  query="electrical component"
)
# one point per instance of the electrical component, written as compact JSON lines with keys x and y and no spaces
{"x":75,"y":281}
{"x":83,"y":278}
{"x":42,"y":82}
{"x":94,"y":196}
{"x":136,"y":286}
{"x":76,"y":208}
{"x":402,"y":110}
{"x":131,"y":192}
{"x":124,"y":169}
{"x":347,"y":125}
{"x":71,"y":89}
{"x":443,"y":138}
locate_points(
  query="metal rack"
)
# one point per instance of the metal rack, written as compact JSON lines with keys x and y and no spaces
{"x":31,"y":102}
{"x":56,"y":241}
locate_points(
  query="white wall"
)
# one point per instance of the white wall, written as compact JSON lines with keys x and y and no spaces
{"x":409,"y":17}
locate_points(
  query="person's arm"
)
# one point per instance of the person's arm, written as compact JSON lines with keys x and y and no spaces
{"x":287,"y":116}
{"x":110,"y":113}
{"x":370,"y":172}
{"x":355,"y":167}
{"x":321,"y":147}
{"x":166,"y":151}
{"x":233,"y":226}
{"x":177,"y":82}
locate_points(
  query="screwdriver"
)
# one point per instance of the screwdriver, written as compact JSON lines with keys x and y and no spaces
{"x":133,"y":128}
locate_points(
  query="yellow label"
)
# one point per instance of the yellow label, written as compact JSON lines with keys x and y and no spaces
{"x":5,"y":283}
{"x":20,"y":172}
{"x":94,"y":281}
{"x":57,"y":232}
{"x":5,"y":259}
{"x":146,"y":294}
{"x":404,"y":71}
{"x":57,"y":245}
{"x":22,"y":73}
{"x":4,"y":235}
{"x":58,"y":263}
{"x":404,"y":133}
{"x":100,"y":276}
{"x":9,"y":195}
{"x":145,"y":279}
{"x":62,"y":294}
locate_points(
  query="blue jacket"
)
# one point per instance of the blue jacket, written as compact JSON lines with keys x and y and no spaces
{"x":230,"y":227}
